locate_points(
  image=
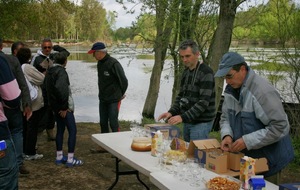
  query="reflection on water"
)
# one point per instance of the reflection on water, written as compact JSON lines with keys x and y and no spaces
{"x":83,"y":79}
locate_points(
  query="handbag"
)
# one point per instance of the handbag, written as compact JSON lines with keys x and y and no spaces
{"x":33,"y":89}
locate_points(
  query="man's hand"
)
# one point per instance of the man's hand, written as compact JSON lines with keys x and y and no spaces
{"x":238,"y":145}
{"x":27,"y":112}
{"x":175,"y":120}
{"x":164,"y":116}
{"x":226,"y":143}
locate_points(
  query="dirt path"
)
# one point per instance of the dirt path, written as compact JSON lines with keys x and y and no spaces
{"x":98,"y":171}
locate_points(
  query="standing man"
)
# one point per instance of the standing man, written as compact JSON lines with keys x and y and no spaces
{"x":14,"y":115}
{"x":253,"y":119}
{"x":112,"y":84}
{"x":194,"y":105}
{"x":42,"y":61}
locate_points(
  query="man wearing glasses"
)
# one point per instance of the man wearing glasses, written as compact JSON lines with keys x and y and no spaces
{"x":253,"y":119}
{"x":195,"y":103}
{"x":42,"y":61}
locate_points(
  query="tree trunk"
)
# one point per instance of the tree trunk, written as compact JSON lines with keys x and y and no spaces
{"x":164,"y":26}
{"x":221,"y":40}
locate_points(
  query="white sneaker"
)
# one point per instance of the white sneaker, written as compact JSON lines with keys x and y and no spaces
{"x":34,"y":157}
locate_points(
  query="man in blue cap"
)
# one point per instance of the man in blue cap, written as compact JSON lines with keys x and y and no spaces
{"x":253,"y":119}
{"x":112,"y":84}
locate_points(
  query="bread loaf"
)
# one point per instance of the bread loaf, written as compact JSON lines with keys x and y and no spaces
{"x":141,"y":144}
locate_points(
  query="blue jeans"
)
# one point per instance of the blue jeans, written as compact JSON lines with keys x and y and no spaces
{"x":8,"y":164}
{"x":109,"y":112}
{"x":15,"y":124}
{"x":61,"y":124}
{"x":196,"y":131}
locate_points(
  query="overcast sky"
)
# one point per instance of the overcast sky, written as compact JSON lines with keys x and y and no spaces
{"x":123,"y":19}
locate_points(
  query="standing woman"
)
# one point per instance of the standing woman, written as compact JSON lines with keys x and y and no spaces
{"x":35,"y":79}
{"x":61,"y":102}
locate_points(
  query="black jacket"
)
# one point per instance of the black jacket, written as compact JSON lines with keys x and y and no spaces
{"x":112,"y":81}
{"x":57,"y":87}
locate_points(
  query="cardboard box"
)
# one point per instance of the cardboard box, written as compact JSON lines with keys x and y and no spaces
{"x":289,"y":186}
{"x":179,"y":144}
{"x":216,"y":161}
{"x":234,"y":159}
{"x":171,"y":131}
{"x":200,"y":148}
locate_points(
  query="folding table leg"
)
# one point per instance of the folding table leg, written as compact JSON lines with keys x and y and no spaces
{"x":118,"y":173}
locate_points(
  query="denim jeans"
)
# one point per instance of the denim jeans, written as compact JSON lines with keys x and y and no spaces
{"x":196,"y":131}
{"x":15,"y":124}
{"x":62,"y":123}
{"x":9,"y":169}
{"x":109,"y":113}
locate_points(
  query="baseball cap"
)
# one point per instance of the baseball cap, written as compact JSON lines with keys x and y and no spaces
{"x":227,"y":62}
{"x":97,"y":46}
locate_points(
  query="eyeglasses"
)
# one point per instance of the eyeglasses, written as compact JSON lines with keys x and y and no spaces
{"x":229,"y":76}
{"x":47,"y":47}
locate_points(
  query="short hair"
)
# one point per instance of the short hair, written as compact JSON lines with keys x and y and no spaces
{"x":15,"y":45}
{"x":24,"y":55}
{"x":189,"y":43}
{"x":46,"y":40}
{"x":60,"y":58}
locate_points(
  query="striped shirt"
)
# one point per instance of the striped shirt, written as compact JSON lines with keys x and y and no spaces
{"x":198,"y":87}
{"x":9,"y":89}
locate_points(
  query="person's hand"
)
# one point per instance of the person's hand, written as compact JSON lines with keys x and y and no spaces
{"x":226,"y":143}
{"x":165,"y":116}
{"x":238,"y":145}
{"x":27,"y":112}
{"x":175,"y":120}
{"x":63,"y":113}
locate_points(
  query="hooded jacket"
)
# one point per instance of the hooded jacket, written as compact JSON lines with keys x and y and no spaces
{"x":58,"y":89}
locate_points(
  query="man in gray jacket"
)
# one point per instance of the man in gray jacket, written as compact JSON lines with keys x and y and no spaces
{"x":253,"y":119}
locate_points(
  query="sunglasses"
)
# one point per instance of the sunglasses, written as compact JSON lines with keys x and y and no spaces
{"x":47,"y":47}
{"x":229,"y":76}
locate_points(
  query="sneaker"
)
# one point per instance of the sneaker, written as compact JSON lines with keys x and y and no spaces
{"x":23,"y":170}
{"x":33,"y":157}
{"x":62,"y":161}
{"x":75,"y":162}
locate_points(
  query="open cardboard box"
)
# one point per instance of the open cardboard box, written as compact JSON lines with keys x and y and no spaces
{"x":167,"y":130}
{"x":209,"y":153}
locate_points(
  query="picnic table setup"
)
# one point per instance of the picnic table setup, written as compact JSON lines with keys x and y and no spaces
{"x":167,"y":168}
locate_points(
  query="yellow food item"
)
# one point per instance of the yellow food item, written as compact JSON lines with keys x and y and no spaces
{"x":222,"y":183}
{"x":177,"y":154}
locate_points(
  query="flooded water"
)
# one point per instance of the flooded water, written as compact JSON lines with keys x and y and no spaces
{"x":82,"y":72}
{"x":83,"y":79}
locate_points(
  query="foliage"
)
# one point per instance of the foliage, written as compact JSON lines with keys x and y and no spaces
{"x":296,"y":145}
{"x":57,"y":19}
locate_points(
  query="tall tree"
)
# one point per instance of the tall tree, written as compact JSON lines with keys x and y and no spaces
{"x":222,"y":39}
{"x":164,"y":24}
